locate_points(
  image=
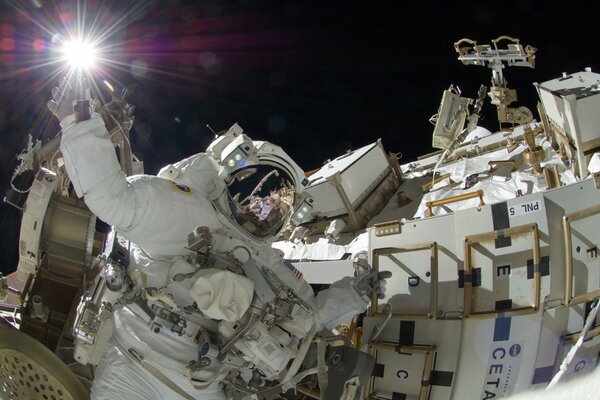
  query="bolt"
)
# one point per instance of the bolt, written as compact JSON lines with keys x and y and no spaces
{"x":204,"y":361}
{"x":335,"y":359}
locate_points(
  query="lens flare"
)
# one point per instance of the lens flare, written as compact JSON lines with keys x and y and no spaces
{"x":109,"y":86}
{"x":79,"y":54}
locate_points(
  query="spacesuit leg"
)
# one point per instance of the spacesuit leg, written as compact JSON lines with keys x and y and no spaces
{"x":118,"y":376}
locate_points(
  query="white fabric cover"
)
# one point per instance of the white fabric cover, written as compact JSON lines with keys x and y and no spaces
{"x":477,"y":133}
{"x":322,"y":249}
{"x":221,"y":294}
{"x":594,"y":164}
{"x":494,"y":190}
{"x":334,"y":228}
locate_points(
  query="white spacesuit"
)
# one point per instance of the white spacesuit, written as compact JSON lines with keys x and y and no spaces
{"x":180,"y":296}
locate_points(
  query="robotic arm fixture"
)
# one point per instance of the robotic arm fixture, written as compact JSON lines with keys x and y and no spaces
{"x":470,"y":53}
{"x":454,"y":110}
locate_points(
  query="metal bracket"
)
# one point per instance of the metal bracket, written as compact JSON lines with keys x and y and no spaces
{"x":469,"y":243}
{"x":389,"y":252}
{"x":427,"y":351}
{"x":567,"y":220}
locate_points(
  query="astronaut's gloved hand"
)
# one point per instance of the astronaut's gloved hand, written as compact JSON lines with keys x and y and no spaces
{"x":372,"y":281}
{"x":71,"y":97}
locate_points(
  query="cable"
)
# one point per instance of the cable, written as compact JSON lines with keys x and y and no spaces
{"x":565,"y":364}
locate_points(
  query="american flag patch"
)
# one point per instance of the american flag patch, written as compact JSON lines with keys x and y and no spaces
{"x":296,"y":273}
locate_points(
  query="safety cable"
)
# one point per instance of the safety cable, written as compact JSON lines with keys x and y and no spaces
{"x":582,"y":336}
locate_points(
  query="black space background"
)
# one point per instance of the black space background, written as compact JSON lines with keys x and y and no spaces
{"x":316,"y":77}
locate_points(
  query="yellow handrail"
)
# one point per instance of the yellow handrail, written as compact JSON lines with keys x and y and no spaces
{"x":453,"y":199}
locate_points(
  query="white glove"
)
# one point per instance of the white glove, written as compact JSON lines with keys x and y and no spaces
{"x":372,"y":281}
{"x":72,"y":96}
{"x":366,"y":279}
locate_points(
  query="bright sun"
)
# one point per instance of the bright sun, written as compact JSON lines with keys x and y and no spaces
{"x":79,"y":54}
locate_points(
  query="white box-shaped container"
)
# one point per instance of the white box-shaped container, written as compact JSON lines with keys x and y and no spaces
{"x":353,"y":175}
{"x":571,"y":103}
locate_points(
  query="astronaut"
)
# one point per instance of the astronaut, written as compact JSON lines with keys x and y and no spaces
{"x":207,"y":299}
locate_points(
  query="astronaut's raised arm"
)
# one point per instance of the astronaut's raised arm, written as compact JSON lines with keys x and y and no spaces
{"x":95,"y":173}
{"x":141,"y":207}
{"x":89,"y":155}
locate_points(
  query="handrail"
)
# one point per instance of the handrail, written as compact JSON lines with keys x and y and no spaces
{"x":570,"y":298}
{"x":470,"y":241}
{"x":494,"y":164}
{"x":453,"y":199}
{"x":433,"y":297}
{"x":428,"y":185}
{"x":504,"y":37}
{"x":427,"y":351}
{"x":464,"y":50}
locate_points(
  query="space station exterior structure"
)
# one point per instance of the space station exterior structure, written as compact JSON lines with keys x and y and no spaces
{"x":493,"y":251}
{"x":492,"y":243}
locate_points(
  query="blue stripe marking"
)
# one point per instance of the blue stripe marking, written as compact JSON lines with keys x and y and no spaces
{"x":502,"y":329}
{"x":543,"y":375}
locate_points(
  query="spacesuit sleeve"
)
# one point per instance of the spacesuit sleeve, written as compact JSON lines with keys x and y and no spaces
{"x":94,"y":170}
{"x":332,"y":306}
{"x":339,"y":303}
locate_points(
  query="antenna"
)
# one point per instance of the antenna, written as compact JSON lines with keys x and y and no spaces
{"x":211,"y":129}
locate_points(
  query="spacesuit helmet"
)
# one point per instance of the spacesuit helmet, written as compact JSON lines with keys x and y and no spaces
{"x":264,"y":186}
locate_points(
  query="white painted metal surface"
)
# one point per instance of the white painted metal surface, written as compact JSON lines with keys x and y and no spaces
{"x":356,"y":173}
{"x":32,"y":222}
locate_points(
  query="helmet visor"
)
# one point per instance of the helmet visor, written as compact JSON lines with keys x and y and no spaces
{"x":261,"y":199}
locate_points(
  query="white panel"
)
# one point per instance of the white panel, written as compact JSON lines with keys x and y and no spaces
{"x":32,"y":222}
{"x":327,"y":200}
{"x":557,"y":324}
{"x":588,"y":118}
{"x":327,"y":272}
{"x":494,"y":365}
{"x":403,"y":372}
{"x":503,"y":274}
{"x":361,"y":175}
{"x":584,"y":249}
{"x":554,"y":324}
{"x":555,"y":109}
{"x":340,"y":163}
{"x":584,"y":85}
{"x":406,"y":299}
{"x":583,"y":362}
{"x":359,"y":172}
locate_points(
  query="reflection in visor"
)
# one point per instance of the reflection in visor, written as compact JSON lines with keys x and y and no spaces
{"x":263,"y":212}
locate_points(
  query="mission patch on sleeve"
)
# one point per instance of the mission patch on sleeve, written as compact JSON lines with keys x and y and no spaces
{"x":181,"y":188}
